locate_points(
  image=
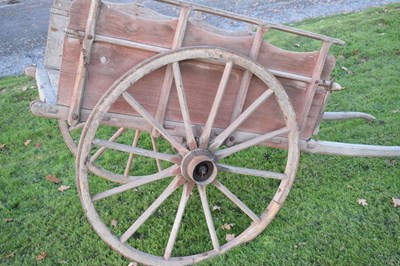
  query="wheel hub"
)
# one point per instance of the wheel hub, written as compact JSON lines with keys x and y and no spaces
{"x":199,"y":166}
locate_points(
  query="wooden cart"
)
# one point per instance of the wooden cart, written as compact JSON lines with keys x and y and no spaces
{"x":116,"y":74}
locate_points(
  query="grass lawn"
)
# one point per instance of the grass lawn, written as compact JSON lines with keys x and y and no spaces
{"x":321,"y":223}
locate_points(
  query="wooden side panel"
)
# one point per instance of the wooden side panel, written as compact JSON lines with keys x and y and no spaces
{"x":72,"y":48}
{"x":138,"y":24}
{"x":59,"y":19}
{"x":198,"y":35}
{"x":107,"y":64}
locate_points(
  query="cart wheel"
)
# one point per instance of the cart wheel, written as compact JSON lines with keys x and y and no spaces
{"x":192,"y":225}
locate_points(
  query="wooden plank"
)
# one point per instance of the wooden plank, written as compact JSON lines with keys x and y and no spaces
{"x":54,"y":77}
{"x":127,"y":22}
{"x":46,"y":92}
{"x":55,"y":41}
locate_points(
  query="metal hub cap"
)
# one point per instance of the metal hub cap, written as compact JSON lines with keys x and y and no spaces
{"x":199,"y":166}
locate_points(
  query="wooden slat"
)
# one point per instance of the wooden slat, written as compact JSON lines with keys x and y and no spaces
{"x":55,"y":40}
{"x":46,"y":92}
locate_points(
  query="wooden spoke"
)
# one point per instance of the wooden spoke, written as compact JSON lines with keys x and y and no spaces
{"x":155,"y":148}
{"x":168,"y":79}
{"x":78,"y":126}
{"x":205,"y":136}
{"x":178,"y":219}
{"x":131,"y":155}
{"x":103,"y":149}
{"x":139,"y":108}
{"x":207,"y":213}
{"x":184,"y":106}
{"x":252,"y":172}
{"x":138,"y":151}
{"x":247,"y":76}
{"x":237,"y":201}
{"x":176,"y":183}
{"x":136,"y":182}
{"x":217,"y":142}
{"x":219,"y":155}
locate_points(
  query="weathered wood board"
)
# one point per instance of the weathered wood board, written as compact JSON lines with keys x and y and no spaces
{"x":140,"y":25}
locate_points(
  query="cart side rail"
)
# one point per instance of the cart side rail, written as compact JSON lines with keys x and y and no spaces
{"x":254,"y":21}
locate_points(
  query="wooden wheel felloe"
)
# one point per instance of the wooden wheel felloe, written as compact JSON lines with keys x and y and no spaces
{"x":66,"y":132}
{"x":201,"y":161}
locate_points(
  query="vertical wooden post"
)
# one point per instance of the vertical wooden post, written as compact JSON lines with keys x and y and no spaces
{"x":244,"y":86}
{"x":312,"y":88}
{"x":84,"y":59}
{"x":169,"y":76}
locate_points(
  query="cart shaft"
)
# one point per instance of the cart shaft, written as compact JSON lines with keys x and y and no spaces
{"x":347,"y":149}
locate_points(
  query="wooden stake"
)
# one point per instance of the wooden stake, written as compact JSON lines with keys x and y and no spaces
{"x":84,"y":59}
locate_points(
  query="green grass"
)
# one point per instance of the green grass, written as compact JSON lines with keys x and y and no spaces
{"x":321,"y":223}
